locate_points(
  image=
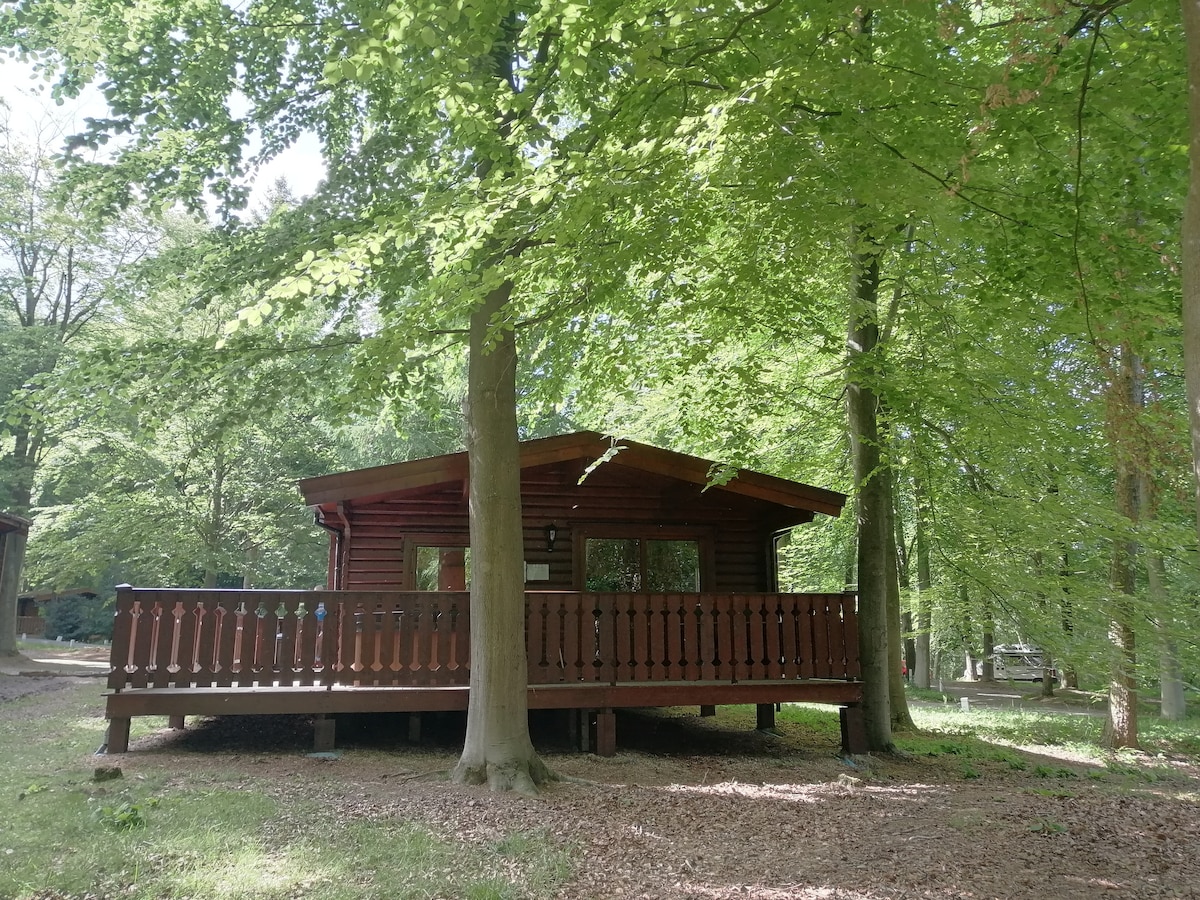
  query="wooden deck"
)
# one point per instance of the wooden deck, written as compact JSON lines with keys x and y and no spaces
{"x":229,"y":652}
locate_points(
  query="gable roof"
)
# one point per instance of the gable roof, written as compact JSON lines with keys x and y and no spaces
{"x":365,"y":485}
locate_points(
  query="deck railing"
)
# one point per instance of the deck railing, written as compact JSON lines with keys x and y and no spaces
{"x":218,"y":638}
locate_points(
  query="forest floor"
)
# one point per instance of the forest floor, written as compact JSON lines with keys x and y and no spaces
{"x":707,"y":808}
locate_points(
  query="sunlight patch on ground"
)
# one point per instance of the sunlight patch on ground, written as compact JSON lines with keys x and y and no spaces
{"x":799,"y":793}
{"x":763,"y":892}
{"x":66,"y":661}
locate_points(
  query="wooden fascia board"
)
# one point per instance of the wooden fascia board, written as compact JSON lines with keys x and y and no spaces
{"x":747,"y":483}
{"x":385,"y":481}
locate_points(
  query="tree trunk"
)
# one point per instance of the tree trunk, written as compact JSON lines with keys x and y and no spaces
{"x":1121,"y":727}
{"x":987,"y":661}
{"x":498,"y":750}
{"x":970,"y":672}
{"x":215,"y":526}
{"x":250,"y":573}
{"x":908,"y":646}
{"x":1170,"y":670}
{"x":1173,"y":703}
{"x":871,"y":503}
{"x":1190,"y":241}
{"x":1048,"y":677}
{"x":901,"y":718}
{"x":1069,"y":677}
{"x":24,"y":455}
{"x":12,"y":557}
{"x":921,"y":673}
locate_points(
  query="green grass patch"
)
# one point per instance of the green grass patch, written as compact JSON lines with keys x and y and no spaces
{"x":144,"y":838}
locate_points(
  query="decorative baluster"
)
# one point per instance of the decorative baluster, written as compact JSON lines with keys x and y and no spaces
{"x":849,"y":603}
{"x":165,"y":642}
{"x":820,"y":628}
{"x":756,"y":623}
{"x":442,"y":624}
{"x":143,"y":644}
{"x":706,"y":634}
{"x":606,"y":628}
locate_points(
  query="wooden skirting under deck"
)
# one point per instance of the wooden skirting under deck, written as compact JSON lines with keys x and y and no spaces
{"x":177,"y":703}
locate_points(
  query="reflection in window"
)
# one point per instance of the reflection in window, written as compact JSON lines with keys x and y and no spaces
{"x":672,"y":566}
{"x":442,"y":568}
{"x":632,"y":564}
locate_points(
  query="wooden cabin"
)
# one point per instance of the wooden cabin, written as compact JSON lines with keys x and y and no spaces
{"x":30,"y":621}
{"x":644,"y":521}
{"x":650,"y":581}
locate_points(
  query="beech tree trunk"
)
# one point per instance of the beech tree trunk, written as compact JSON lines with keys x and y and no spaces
{"x":1190,"y":241}
{"x":1173,"y":702}
{"x":12,"y":556}
{"x":1069,"y":677}
{"x":1170,"y":670}
{"x":987,"y":661}
{"x":498,"y":750}
{"x":871,"y":497}
{"x":901,"y":718}
{"x":921,"y":672}
{"x":1121,"y":726}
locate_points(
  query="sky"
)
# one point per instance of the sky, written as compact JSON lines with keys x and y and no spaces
{"x":31,"y":114}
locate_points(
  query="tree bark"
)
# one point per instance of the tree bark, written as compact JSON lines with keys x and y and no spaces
{"x":1170,"y":670}
{"x":921,"y":673}
{"x":987,"y":660}
{"x":1190,"y":241}
{"x":871,"y":502}
{"x":215,"y":525}
{"x":1126,"y":396}
{"x":12,"y":557}
{"x":1173,"y":702}
{"x":901,"y":718}
{"x":1069,"y":677}
{"x":498,"y":750}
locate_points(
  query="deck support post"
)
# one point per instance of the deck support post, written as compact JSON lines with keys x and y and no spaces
{"x":579,"y":729}
{"x":414,"y":728}
{"x":766,"y":716}
{"x":323,"y":733}
{"x":707,"y":710}
{"x":117,"y":740}
{"x":854,"y":729}
{"x":606,"y":732}
{"x":176,"y":723}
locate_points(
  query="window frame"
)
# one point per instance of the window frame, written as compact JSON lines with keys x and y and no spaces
{"x":444,"y":540}
{"x":704,"y":536}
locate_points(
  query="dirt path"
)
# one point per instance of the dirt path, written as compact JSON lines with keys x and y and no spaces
{"x":50,"y":668}
{"x":1020,"y":695}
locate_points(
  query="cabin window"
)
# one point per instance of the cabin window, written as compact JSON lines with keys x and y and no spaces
{"x":641,"y":564}
{"x":442,"y":568}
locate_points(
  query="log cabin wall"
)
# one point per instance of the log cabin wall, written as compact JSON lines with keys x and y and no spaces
{"x":734,"y":531}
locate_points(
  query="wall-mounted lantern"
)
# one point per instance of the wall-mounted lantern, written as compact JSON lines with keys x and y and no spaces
{"x":551,"y":536}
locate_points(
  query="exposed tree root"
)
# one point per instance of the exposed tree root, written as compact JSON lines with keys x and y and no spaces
{"x":525,"y":776}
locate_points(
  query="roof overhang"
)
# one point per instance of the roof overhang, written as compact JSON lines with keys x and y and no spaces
{"x":380,"y":482}
{"x":9,"y":522}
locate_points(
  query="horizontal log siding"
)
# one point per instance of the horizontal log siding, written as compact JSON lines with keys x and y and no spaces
{"x":612,"y":495}
{"x":255,"y":639}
